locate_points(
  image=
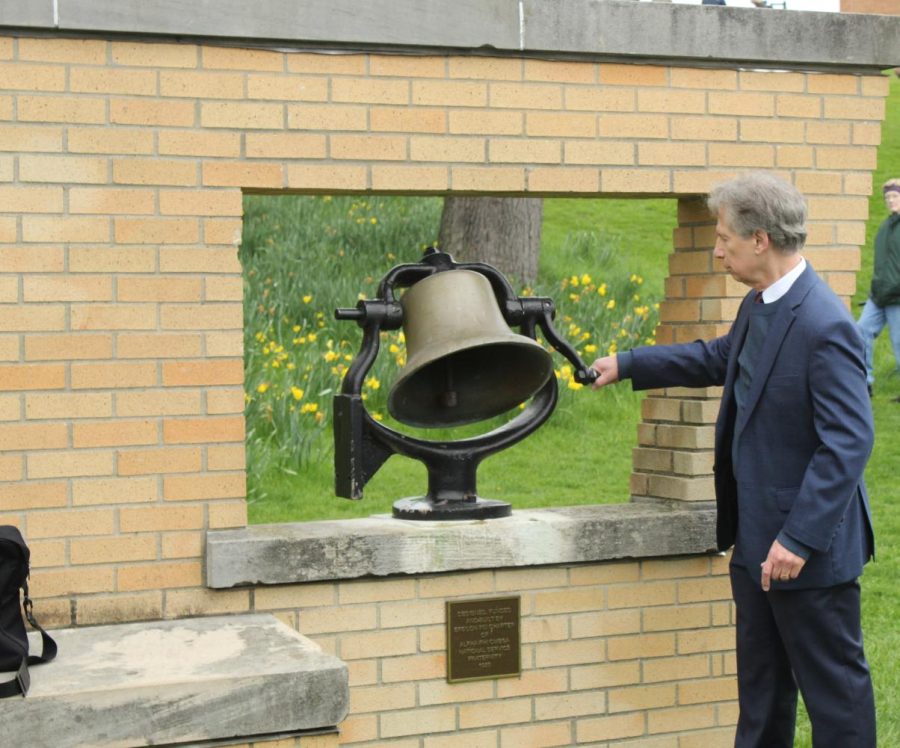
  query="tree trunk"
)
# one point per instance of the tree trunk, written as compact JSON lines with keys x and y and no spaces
{"x":502,"y":231}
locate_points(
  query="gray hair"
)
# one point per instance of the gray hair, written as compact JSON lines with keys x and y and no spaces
{"x":760,"y":200}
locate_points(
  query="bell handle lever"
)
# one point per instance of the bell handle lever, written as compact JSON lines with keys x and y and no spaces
{"x":583,"y":374}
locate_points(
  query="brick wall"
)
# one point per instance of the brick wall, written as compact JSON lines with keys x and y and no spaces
{"x":883,"y":7}
{"x":122,"y":168}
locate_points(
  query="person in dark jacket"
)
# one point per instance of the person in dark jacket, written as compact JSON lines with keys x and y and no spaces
{"x":883,"y":305}
{"x":792,"y":439}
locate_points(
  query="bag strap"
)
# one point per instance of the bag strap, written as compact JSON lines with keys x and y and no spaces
{"x":22,"y":682}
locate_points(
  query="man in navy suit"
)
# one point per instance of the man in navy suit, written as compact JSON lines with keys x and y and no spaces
{"x":793,"y":435}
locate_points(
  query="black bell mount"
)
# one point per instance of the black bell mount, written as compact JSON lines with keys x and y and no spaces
{"x":468,"y":365}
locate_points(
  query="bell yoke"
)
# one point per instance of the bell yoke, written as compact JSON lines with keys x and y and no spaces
{"x":464,"y":365}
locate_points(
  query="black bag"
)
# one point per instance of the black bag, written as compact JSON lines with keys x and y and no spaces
{"x":14,"y":556}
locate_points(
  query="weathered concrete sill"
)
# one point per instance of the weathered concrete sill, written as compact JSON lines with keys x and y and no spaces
{"x":198,"y":682}
{"x":599,"y":29}
{"x":382,"y":546}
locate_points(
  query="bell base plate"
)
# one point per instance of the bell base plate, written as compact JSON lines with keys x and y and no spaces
{"x":422,"y":508}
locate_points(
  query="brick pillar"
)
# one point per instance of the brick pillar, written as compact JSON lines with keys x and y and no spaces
{"x":674,"y":456}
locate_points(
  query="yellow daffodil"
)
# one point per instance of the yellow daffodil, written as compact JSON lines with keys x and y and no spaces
{"x":261,"y":389}
{"x":611,"y":304}
{"x":297,"y":393}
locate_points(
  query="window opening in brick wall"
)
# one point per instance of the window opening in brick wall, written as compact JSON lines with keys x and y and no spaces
{"x":603,"y":262}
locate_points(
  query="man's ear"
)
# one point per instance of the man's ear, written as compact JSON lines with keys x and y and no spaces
{"x":760,"y":241}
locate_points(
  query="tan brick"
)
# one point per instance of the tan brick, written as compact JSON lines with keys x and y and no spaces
{"x":255,"y":116}
{"x":145,"y":606}
{"x":154,"y":55}
{"x":350,"y":64}
{"x":711,"y":690}
{"x":406,"y":119}
{"x":374,"y":91}
{"x":105,"y":200}
{"x":417,"y":667}
{"x":154,"y":461}
{"x":661,"y":669}
{"x":854,"y":108}
{"x":217,"y":316}
{"x":368,"y":147}
{"x":159,"y":288}
{"x":791,"y":105}
{"x":850,"y":157}
{"x":155,"y":112}
{"x":113,"y":317}
{"x":31,"y":495}
{"x":502,"y":150}
{"x":167,"y":345}
{"x":11,"y":468}
{"x":97,"y":491}
{"x":9,"y":351}
{"x":315,"y":117}
{"x":681,"y":719}
{"x":200,"y":202}
{"x":182,"y":545}
{"x":67,"y":288}
{"x":704,"y":128}
{"x":197,"y":143}
{"x":182,"y":603}
{"x":605,"y":623}
{"x":112,"y":80}
{"x":419,"y":721}
{"x":204,"y":486}
{"x":189,"y":260}
{"x":287,"y":87}
{"x":757,"y":156}
{"x":113,"y":550}
{"x":578,"y":652}
{"x":323,"y":620}
{"x":558,"y":70}
{"x":33,"y":318}
{"x":68,"y":405}
{"x":423,"y":148}
{"x":32,"y":377}
{"x":294,"y":596}
{"x":773,"y":131}
{"x":633,"y":126}
{"x":771,"y":80}
{"x":703,"y":78}
{"x":46,"y":554}
{"x":223,"y":401}
{"x":490,"y":68}
{"x":641,"y":697}
{"x":742,"y":103}
{"x":831,"y":133}
{"x":160,"y":518}
{"x":232,"y":58}
{"x":365,"y":592}
{"x":447,"y":93}
{"x":111,"y":260}
{"x":564,"y":180}
{"x":672,"y":101}
{"x":421,"y":178}
{"x":510,"y":711}
{"x":154,"y":171}
{"x":224,"y":288}
{"x":612,"y":727}
{"x":114,"y":433}
{"x":390,"y":643}
{"x":70,"y":581}
{"x":16,"y":437}
{"x":156,"y":231}
{"x":793,"y":156}
{"x":67,"y":347}
{"x":222,"y":231}
{"x":71,"y":523}
{"x":709,"y":640}
{"x":564,"y":706}
{"x":159,"y":576}
{"x":600,"y":152}
{"x":525,"y":96}
{"x":472,"y":583}
{"x":228,"y":457}
{"x":69,"y":464}
{"x":327,"y":177}
{"x":63,"y":169}
{"x":224,"y":344}
{"x":85,"y":51}
{"x":70,"y":109}
{"x":31,"y":199}
{"x":23,"y":139}
{"x":634,"y":180}
{"x":195,"y":84}
{"x":157,"y":402}
{"x":671,"y":154}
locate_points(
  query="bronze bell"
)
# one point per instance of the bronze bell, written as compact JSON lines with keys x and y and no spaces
{"x":464,"y":362}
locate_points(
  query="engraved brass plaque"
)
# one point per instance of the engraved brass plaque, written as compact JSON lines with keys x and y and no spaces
{"x":483,"y":639}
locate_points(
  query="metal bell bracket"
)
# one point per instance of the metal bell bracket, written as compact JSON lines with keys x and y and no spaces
{"x":362,"y":444}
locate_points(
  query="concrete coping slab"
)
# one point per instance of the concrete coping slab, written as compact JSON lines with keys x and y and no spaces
{"x":382,"y":546}
{"x":673,"y":33}
{"x":182,"y":682}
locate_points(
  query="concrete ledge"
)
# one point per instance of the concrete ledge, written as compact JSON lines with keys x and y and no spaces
{"x":180,"y":682}
{"x":381,"y":546}
{"x":603,"y":29}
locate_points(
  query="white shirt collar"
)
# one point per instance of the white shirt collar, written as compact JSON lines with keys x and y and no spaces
{"x":780,"y":287}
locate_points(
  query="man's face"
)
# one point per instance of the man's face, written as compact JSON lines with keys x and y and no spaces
{"x":737,"y":253}
{"x":892,"y":200}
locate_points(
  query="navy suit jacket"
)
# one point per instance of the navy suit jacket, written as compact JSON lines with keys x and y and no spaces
{"x":805,"y":432}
